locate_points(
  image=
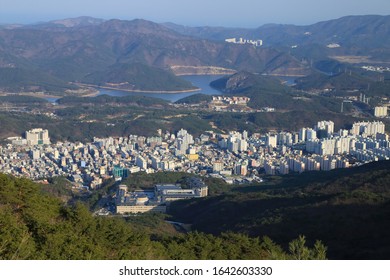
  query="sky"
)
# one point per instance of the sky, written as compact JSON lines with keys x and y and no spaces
{"x":228,"y":13}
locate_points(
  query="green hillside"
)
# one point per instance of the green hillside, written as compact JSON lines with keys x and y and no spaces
{"x":340,"y":81}
{"x":113,"y":100}
{"x":137,"y":76}
{"x":266,"y":91}
{"x":244,"y":80}
{"x":195,"y":99}
{"x":347,"y":209}
{"x":22,"y":99}
{"x":34,"y":225}
{"x":19,"y":79}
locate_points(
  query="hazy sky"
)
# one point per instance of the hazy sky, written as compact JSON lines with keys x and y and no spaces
{"x":239,"y":13}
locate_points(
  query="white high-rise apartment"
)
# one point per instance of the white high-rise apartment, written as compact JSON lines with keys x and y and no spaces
{"x":37,"y":136}
{"x":380,"y":111}
{"x":328,"y":126}
{"x":368,"y":128}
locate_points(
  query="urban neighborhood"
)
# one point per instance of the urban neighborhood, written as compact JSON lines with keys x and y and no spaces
{"x":235,"y":157}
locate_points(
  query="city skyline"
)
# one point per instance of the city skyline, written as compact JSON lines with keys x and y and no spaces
{"x":211,"y":154}
{"x":246,"y":13}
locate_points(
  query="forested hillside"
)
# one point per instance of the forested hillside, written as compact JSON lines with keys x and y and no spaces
{"x":347,"y":209}
{"x":34,"y":225}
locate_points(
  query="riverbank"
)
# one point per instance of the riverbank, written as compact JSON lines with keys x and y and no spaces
{"x":287,"y":75}
{"x":139,"y":91}
{"x":201,"y":84}
{"x":83,"y":92}
{"x":32,"y":94}
{"x":180,"y":70}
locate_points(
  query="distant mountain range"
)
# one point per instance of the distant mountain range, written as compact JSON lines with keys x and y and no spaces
{"x":350,"y":39}
{"x":369,"y":31}
{"x":74,"y":50}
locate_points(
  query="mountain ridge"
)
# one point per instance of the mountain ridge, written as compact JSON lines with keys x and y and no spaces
{"x":221,"y":33}
{"x":357,"y":35}
{"x":71,"y":53}
{"x":72,"y":49}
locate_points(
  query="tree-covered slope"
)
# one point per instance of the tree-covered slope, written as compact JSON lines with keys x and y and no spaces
{"x":267,"y":91}
{"x":34,"y":225}
{"x":137,"y":76}
{"x":347,"y":209}
{"x":20,"y":79}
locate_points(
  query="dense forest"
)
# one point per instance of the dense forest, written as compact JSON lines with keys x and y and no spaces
{"x":35,"y":225}
{"x":347,"y":209}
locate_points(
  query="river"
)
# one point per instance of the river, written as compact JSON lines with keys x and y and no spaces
{"x":200,"y":81}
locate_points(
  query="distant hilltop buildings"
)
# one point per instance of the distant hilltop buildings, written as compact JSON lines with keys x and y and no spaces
{"x":237,"y":100}
{"x":379,"y":69}
{"x":242,"y":41}
{"x":333,"y":46}
{"x":223,"y":103}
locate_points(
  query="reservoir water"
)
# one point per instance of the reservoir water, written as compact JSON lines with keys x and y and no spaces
{"x":200,"y":81}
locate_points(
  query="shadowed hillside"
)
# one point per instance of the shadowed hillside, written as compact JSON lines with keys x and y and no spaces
{"x":347,"y":209}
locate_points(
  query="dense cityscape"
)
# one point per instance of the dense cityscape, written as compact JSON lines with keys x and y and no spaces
{"x":235,"y":157}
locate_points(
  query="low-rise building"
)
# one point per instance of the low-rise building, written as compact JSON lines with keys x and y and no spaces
{"x":157,"y":201}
